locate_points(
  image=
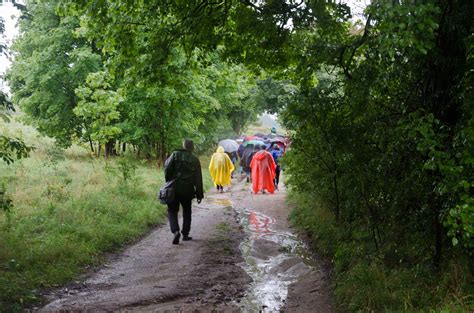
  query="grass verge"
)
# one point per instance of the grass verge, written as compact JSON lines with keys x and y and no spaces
{"x":382,"y":282}
{"x":68,"y":210}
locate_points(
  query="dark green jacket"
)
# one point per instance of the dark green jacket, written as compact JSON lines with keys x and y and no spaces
{"x":186,"y":168}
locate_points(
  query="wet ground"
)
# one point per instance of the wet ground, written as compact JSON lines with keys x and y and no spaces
{"x":285,"y":274}
{"x":244,"y":258}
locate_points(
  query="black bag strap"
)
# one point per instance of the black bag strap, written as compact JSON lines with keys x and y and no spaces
{"x":179,"y":165}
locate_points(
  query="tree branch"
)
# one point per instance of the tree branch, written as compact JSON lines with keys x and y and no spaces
{"x":354,"y":46}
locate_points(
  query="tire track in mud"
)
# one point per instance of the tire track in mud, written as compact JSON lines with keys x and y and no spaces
{"x":154,"y":275}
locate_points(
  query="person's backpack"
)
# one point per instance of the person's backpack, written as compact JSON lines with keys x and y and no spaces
{"x":167,"y":192}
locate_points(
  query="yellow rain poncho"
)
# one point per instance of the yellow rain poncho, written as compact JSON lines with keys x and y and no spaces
{"x":221,"y":168}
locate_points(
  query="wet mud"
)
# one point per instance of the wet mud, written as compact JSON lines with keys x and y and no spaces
{"x":243,"y":258}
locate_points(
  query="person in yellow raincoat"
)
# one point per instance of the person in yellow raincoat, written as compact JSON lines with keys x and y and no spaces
{"x":221,"y":168}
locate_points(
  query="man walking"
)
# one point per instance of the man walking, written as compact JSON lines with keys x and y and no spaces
{"x":276,"y":154}
{"x":247,"y":156}
{"x":183,"y":166}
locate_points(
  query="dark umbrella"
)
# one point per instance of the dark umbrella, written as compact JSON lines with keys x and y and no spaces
{"x":278,"y":142}
{"x":253,"y":142}
{"x":246,"y":138}
{"x":261,"y":135}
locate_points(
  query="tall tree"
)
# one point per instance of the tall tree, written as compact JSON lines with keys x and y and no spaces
{"x":99,"y":107}
{"x":10,"y":147}
{"x":50,"y":62}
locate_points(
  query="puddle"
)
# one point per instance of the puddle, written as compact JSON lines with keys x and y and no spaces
{"x":213,"y":203}
{"x":222,"y":202}
{"x":274,"y":259}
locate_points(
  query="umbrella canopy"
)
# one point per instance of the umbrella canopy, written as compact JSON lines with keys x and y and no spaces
{"x":246,"y":138}
{"x":229,"y":145}
{"x":278,"y":140}
{"x":253,"y":142}
{"x":285,"y":140}
{"x":278,"y":143}
{"x":275,"y":136}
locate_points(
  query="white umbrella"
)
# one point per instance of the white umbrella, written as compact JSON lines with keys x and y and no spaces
{"x":229,"y":145}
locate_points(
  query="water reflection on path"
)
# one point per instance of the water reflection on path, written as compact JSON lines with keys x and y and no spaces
{"x":274,"y":259}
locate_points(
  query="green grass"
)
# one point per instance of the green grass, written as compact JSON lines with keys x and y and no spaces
{"x":69,"y":208}
{"x":364,"y":282}
{"x":220,"y":239}
{"x":257,"y":127}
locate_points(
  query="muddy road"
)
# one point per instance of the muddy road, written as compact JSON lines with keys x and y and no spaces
{"x":243,"y":258}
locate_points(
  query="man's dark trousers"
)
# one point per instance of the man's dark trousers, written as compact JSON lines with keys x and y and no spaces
{"x":277,"y":175}
{"x":173,"y":209}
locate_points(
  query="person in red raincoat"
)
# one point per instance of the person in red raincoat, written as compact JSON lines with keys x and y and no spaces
{"x":263,"y":171}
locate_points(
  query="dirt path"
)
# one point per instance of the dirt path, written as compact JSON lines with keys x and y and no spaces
{"x":282,"y":255}
{"x":207,"y":273}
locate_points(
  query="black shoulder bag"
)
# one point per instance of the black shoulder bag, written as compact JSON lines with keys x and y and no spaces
{"x":167,"y":193}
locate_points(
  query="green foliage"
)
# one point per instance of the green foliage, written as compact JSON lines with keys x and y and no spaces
{"x":53,"y":155}
{"x":11,"y":148}
{"x":127,"y":80}
{"x":6,"y":204}
{"x":126,"y":169}
{"x":377,"y":122}
{"x":368,"y":281}
{"x":273,"y":95}
{"x":98,"y":105}
{"x":5,"y":106}
{"x":382,"y":138}
{"x":3,"y":46}
{"x":191,"y":99}
{"x":50,"y":63}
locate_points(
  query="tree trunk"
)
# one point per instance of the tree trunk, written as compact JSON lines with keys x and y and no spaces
{"x":336,"y":191}
{"x":438,"y":241}
{"x":91,"y":145}
{"x":109,"y":148}
{"x":446,"y":69}
{"x":161,"y":151}
{"x":373,"y":218}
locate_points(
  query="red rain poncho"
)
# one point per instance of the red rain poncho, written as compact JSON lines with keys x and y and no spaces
{"x":263,"y":172}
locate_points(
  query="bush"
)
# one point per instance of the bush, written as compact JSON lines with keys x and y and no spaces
{"x":394,"y":278}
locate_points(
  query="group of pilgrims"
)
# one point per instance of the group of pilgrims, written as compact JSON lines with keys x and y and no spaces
{"x":258,"y":159}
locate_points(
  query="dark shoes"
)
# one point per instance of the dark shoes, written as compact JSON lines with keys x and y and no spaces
{"x":177,"y":235}
{"x":176,"y":238}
